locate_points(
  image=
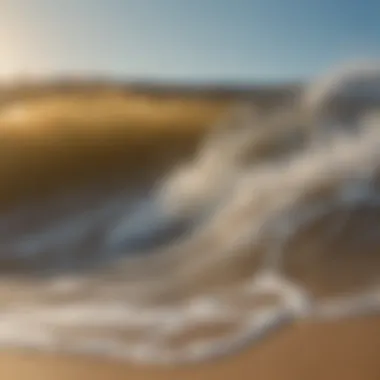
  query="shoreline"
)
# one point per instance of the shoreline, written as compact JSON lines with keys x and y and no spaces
{"x":345,"y":349}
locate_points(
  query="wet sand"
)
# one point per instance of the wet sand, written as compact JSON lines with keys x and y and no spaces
{"x":336,"y":350}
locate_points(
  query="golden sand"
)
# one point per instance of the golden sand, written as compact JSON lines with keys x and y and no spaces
{"x":331,"y":351}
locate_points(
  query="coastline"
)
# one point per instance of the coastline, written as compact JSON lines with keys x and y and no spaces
{"x":346,"y":349}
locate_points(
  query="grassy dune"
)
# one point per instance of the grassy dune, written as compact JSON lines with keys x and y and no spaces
{"x":102,"y":111}
{"x":49,"y":142}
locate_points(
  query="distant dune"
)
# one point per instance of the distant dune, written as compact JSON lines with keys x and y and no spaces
{"x":52,"y":131}
{"x":262,"y":93}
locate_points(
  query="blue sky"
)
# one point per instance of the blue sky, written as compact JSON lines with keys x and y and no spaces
{"x":187,"y":40}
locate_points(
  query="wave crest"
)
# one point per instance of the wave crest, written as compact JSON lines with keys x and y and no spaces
{"x":273,"y":207}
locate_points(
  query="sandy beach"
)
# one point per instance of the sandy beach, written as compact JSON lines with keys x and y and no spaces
{"x":341,"y":350}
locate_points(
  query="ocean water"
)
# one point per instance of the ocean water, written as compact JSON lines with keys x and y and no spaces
{"x":274,"y":220}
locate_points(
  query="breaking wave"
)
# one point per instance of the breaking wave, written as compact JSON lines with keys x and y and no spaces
{"x":274,"y":220}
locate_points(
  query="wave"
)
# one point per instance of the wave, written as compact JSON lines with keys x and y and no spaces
{"x":274,"y":220}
